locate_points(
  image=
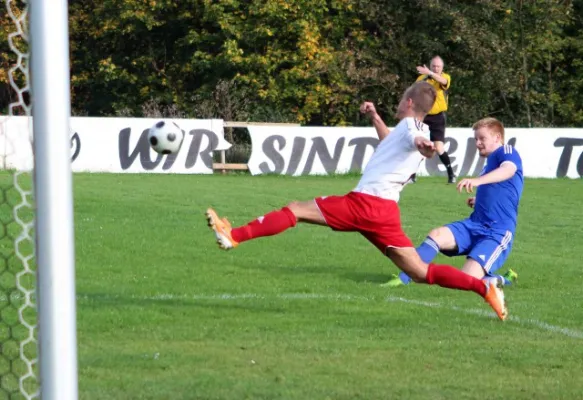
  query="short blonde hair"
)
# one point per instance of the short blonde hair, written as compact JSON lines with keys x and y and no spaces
{"x":423,"y":95}
{"x":491,"y":123}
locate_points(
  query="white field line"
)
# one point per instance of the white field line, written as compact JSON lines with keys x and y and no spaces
{"x":521,"y":321}
{"x":572,"y":333}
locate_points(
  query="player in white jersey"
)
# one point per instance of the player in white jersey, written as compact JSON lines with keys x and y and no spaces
{"x":393,"y":163}
{"x":371,"y":208}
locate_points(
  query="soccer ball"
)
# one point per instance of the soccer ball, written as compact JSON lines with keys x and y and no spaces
{"x":165,"y":138}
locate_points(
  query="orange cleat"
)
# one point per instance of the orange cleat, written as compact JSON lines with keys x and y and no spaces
{"x":495,"y":298}
{"x":222,"y":229}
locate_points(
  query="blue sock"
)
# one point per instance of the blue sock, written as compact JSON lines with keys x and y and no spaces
{"x":405,"y":278}
{"x":427,"y":251}
{"x":502,"y":279}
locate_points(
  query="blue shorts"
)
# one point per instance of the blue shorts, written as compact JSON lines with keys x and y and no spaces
{"x":489,"y":247}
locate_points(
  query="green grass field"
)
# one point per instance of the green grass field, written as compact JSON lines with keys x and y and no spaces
{"x":164,"y":314}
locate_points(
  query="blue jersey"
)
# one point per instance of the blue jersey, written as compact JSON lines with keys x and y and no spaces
{"x":496,"y":204}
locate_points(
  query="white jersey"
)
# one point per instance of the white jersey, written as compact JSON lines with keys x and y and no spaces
{"x":394,"y":161}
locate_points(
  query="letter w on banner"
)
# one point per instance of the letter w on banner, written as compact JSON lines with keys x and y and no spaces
{"x":119,"y":145}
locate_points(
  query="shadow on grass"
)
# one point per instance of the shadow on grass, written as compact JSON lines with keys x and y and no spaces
{"x":367,"y":277}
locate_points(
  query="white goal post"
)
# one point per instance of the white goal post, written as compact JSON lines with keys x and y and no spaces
{"x":39,"y":76}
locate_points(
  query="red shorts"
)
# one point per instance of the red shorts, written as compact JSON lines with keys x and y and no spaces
{"x":377,"y":219}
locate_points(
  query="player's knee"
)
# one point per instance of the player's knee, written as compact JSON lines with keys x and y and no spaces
{"x":295,"y":208}
{"x":436,"y":234}
{"x":293,"y":204}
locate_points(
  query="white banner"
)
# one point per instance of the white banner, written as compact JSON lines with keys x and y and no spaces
{"x":118,"y":145}
{"x":545,"y":152}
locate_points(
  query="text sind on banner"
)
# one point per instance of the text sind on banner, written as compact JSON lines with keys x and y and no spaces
{"x":546,"y":152}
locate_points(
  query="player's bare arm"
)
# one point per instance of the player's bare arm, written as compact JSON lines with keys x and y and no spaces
{"x":500,"y":174}
{"x":425,"y":146}
{"x":426,"y":71}
{"x":369,"y":109}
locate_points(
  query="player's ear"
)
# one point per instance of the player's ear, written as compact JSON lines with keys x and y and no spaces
{"x":495,"y":135}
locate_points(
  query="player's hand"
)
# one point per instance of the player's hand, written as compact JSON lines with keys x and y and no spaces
{"x":368,"y":108}
{"x":425,"y":146}
{"x":471,"y":202}
{"x":469,"y":184}
{"x":423,"y":70}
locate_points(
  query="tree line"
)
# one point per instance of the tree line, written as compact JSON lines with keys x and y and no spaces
{"x":314,"y":61}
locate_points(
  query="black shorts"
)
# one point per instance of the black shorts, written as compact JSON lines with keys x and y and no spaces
{"x":436,"y":124}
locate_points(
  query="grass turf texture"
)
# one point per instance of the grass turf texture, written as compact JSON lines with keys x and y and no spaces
{"x":163,"y":313}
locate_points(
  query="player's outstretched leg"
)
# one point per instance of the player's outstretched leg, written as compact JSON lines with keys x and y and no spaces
{"x":447,"y":276}
{"x":450,"y":277}
{"x":508,"y":279}
{"x":269,"y":224}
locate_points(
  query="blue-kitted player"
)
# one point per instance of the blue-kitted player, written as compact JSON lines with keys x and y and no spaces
{"x":486,"y":237}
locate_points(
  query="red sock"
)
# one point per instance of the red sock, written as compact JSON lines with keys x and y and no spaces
{"x":452,"y":278}
{"x":270,"y":224}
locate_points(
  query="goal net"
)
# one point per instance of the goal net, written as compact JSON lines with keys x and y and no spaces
{"x":18,"y":312}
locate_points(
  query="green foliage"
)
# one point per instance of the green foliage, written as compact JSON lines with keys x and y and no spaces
{"x":13,"y":48}
{"x":313,"y":62}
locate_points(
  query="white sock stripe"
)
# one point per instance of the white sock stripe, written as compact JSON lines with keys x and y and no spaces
{"x":501,"y":247}
{"x":432,"y":243}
